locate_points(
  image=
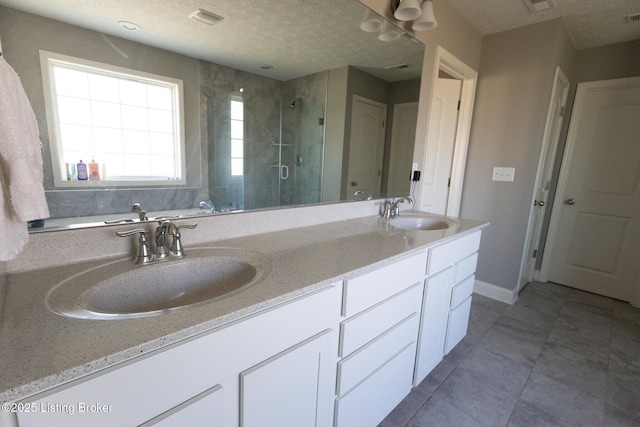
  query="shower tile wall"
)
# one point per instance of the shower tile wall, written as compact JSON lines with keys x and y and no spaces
{"x":266,"y":103}
{"x":261,"y":97}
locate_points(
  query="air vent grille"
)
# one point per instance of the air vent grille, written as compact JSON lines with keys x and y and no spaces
{"x":538,"y":5}
{"x":633,"y":18}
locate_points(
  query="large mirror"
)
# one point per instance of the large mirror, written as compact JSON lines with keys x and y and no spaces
{"x":280,"y":103}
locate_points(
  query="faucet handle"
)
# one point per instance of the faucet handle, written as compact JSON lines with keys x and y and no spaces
{"x":176,"y":243}
{"x":144,"y":254}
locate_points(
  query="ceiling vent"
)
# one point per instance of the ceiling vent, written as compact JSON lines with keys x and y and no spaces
{"x":397,"y":66}
{"x":535,"y":6}
{"x":633,"y":18}
{"x":206,"y":17}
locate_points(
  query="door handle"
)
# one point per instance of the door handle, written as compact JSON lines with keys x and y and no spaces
{"x":569,"y":202}
{"x":539,"y":203}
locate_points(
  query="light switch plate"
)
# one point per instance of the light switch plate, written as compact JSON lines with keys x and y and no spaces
{"x":504,"y":174}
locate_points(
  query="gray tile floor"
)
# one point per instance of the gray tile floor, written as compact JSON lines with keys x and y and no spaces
{"x":557,"y":357}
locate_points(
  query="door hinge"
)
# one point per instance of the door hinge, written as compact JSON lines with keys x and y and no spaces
{"x":449,"y":183}
{"x":535,"y":253}
{"x":383,"y":123}
{"x":562,"y":111}
{"x":458,"y":105}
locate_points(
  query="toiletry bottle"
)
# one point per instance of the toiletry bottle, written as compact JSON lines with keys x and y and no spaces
{"x":94,"y":170}
{"x":104,"y":171}
{"x":67,"y":166}
{"x":74,"y":174}
{"x":82,"y":171}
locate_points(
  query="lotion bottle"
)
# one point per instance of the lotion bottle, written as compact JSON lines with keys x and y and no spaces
{"x":94,"y":170}
{"x":82,"y":171}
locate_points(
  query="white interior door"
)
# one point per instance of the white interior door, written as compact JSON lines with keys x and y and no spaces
{"x":595,"y":232}
{"x":403,"y":138}
{"x":366,"y":146}
{"x":555,"y":117}
{"x":443,"y":126}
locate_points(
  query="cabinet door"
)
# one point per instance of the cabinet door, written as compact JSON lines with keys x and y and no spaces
{"x":458,"y":324}
{"x":294,"y":388}
{"x":435,"y":309}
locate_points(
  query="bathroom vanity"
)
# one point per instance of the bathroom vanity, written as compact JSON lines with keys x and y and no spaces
{"x":350,"y":317}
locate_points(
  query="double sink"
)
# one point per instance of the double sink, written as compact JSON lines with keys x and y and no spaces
{"x":122,"y":290}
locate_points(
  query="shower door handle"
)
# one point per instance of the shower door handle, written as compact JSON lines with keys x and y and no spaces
{"x":284,"y":172}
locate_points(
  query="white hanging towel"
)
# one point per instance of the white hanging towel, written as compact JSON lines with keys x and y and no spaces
{"x":21,"y":190}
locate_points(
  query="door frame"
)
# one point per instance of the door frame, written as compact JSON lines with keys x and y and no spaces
{"x":582,"y":90}
{"x":451,"y":65}
{"x":547,"y":156}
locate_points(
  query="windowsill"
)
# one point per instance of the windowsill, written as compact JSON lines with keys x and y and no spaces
{"x":115,"y":184}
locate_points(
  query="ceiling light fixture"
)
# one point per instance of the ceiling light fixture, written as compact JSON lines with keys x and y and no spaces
{"x":206,"y":17}
{"x":420,"y":12}
{"x":372,"y":22}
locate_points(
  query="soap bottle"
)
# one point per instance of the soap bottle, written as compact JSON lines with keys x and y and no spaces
{"x":94,"y":170}
{"x":82,"y":171}
{"x":103,"y":174}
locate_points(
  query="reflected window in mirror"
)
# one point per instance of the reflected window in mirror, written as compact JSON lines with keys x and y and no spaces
{"x":237,"y":136}
{"x":124,"y":127}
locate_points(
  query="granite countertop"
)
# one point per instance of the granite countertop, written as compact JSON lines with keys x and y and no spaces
{"x":41,"y":349}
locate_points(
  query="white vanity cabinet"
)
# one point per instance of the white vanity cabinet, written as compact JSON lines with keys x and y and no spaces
{"x":378,"y":338}
{"x":277,"y":366}
{"x":450,"y":275}
{"x":343,"y":356}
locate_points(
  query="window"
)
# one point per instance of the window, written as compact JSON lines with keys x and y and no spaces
{"x":127,"y":121}
{"x":237,"y":136}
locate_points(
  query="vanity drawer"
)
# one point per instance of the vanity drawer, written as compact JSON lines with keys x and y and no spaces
{"x":364,"y":327}
{"x":369,"y":289}
{"x":375,"y":397}
{"x":358,"y":366}
{"x":466,"y":267}
{"x":462,"y":291}
{"x":442,"y":256}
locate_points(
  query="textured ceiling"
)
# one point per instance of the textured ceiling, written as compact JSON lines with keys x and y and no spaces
{"x":590,"y":23}
{"x":301,"y":37}
{"x":296,"y":37}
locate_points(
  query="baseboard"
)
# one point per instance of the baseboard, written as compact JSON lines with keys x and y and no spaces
{"x":495,"y":292}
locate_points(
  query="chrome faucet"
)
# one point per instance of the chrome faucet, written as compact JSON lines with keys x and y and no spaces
{"x":361,"y":195}
{"x":392,"y":207}
{"x":208,"y":205}
{"x":142,"y":214}
{"x":164,"y":230}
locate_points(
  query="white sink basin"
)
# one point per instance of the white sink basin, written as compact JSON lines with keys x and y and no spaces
{"x":120,"y":289}
{"x":422,"y":222}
